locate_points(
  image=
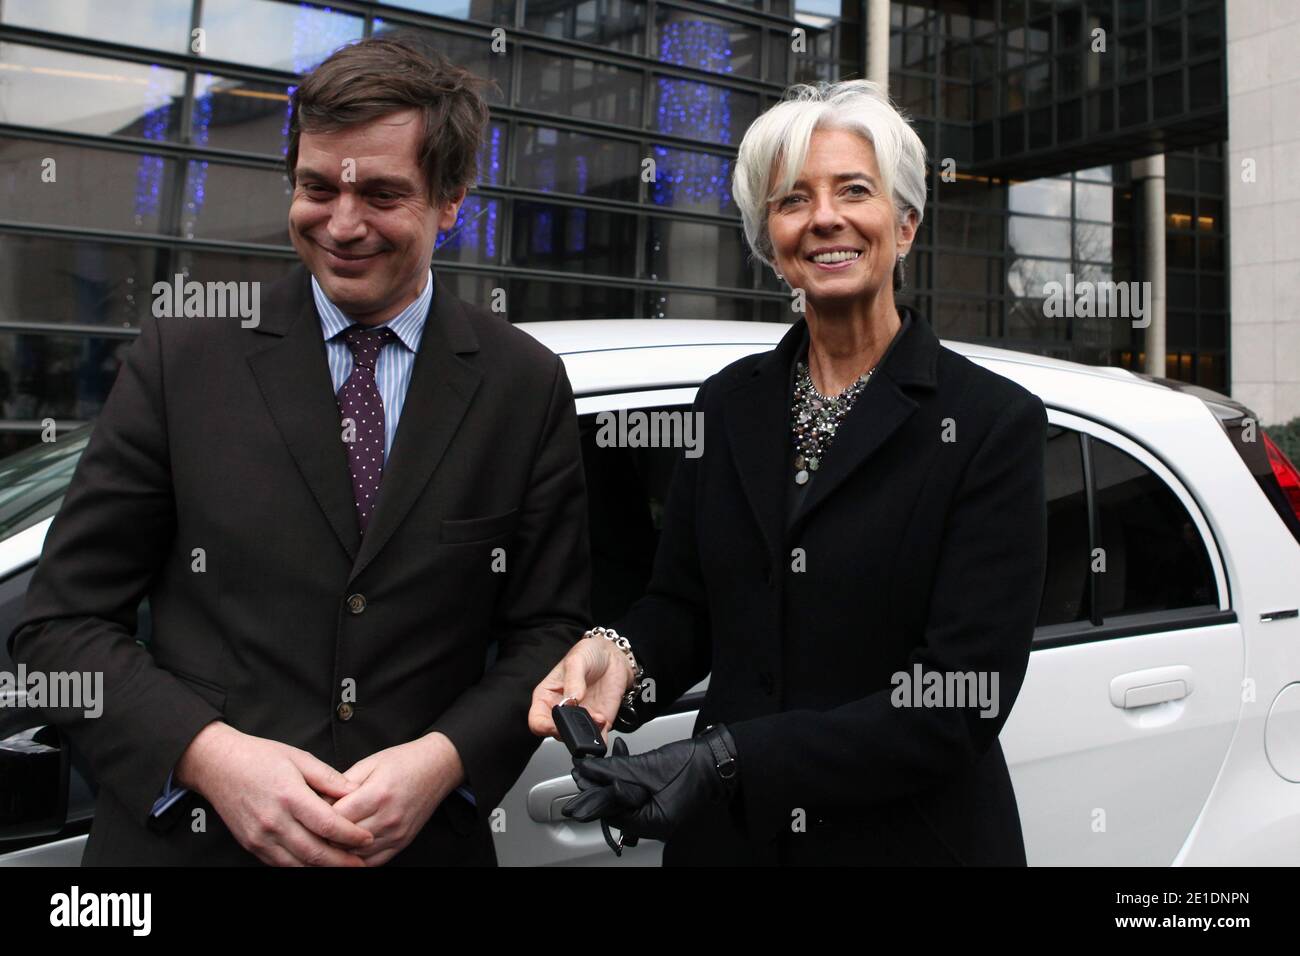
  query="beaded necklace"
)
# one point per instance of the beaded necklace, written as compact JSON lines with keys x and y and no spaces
{"x":814,"y":418}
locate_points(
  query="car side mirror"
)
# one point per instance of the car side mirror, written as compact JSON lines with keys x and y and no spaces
{"x":34,"y":774}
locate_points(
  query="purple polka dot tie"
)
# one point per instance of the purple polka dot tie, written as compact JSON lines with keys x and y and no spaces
{"x":360,"y":402}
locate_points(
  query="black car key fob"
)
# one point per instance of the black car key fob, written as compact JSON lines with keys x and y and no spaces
{"x":581,"y":735}
{"x":578,"y":731}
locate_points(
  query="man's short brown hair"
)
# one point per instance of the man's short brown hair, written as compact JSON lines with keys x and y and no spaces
{"x":386,"y":74}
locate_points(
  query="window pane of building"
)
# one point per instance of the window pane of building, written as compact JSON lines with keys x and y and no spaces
{"x":561,"y":160}
{"x":571,"y":86}
{"x":57,"y":376}
{"x":1039,"y":237}
{"x":294,"y":37}
{"x":1093,"y":202}
{"x":245,"y":115}
{"x":573,"y":239}
{"x":964,"y":320}
{"x":965,"y":229}
{"x":1044,"y":197}
{"x":670,"y":304}
{"x":204,"y":265}
{"x":156,"y":24}
{"x":615,"y":24}
{"x":487,"y":11}
{"x":473,"y":53}
{"x":210,"y":211}
{"x":696,"y":253}
{"x":91,"y":188}
{"x":1093,"y":242}
{"x":542,"y":301}
{"x":77,"y":281}
{"x":89,"y":94}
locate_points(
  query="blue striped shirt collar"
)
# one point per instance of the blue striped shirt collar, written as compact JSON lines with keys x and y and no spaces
{"x":407,"y":324}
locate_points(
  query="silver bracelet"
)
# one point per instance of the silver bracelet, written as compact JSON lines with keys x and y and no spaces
{"x":638,"y":675}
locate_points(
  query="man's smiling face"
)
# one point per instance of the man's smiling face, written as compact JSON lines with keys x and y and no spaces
{"x":361,"y":218}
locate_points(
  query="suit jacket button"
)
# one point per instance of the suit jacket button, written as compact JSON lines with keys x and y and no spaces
{"x":344,"y":711}
{"x":357,"y":603}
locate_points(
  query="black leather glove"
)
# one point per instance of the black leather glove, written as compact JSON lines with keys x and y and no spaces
{"x":653,"y":793}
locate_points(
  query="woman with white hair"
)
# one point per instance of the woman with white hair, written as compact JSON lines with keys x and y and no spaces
{"x":856,"y":562}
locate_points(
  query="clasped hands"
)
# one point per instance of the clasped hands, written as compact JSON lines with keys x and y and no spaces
{"x":288,"y":808}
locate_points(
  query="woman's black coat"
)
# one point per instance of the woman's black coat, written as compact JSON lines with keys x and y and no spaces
{"x":922,"y":541}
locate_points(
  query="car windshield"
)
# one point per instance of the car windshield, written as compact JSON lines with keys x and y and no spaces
{"x":33,"y":481}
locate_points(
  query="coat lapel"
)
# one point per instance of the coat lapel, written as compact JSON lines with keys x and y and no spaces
{"x":880,"y":410}
{"x":437,"y":398}
{"x":293,"y":375}
{"x":757,"y":420}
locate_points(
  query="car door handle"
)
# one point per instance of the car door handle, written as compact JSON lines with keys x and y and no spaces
{"x":1153,"y":686}
{"x":547,"y":799}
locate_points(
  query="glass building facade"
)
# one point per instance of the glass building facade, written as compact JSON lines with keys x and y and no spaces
{"x":1039,"y":107}
{"x":144,"y":138}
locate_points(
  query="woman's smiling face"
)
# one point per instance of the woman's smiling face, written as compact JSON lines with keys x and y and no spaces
{"x":834,"y":234}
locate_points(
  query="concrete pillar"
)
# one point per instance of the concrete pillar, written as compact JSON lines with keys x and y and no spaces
{"x":1150,"y":172}
{"x":877,"y":24}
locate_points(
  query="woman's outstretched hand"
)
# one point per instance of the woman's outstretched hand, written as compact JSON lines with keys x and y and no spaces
{"x":594,"y":674}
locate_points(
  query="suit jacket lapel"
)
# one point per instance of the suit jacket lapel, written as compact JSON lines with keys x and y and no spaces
{"x":293,"y":375}
{"x":880,"y":410}
{"x":437,"y":398}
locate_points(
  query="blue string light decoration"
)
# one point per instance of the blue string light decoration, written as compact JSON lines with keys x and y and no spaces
{"x":494,"y":177}
{"x":149,"y":168}
{"x":288,"y":116}
{"x":578,"y":215}
{"x":476,"y":223}
{"x":693,"y":110}
{"x":540,"y":238}
{"x":196,"y":173}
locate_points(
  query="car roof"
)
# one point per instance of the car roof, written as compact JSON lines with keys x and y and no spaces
{"x":581,"y":341}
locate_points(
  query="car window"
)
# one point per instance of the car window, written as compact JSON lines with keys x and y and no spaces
{"x":33,"y":481}
{"x":1155,"y":557}
{"x":626,"y":491}
{"x":1065,"y":586}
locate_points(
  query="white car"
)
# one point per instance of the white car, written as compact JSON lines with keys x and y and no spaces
{"x":1159,"y":722}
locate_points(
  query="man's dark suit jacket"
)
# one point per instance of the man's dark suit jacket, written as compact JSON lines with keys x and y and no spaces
{"x":916,"y":551}
{"x":228,"y":440}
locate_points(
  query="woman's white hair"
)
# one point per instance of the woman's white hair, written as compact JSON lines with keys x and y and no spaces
{"x":783,"y":132}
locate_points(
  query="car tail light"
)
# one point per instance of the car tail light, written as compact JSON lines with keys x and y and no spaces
{"x":1288,"y":478}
